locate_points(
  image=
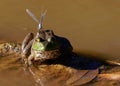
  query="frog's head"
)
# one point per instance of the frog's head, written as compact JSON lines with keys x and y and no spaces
{"x":45,"y":40}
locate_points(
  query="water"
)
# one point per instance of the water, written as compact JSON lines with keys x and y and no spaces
{"x":16,"y":78}
{"x":92,"y":26}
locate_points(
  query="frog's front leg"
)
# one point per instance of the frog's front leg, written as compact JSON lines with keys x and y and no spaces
{"x":26,"y":46}
{"x":26,"y":40}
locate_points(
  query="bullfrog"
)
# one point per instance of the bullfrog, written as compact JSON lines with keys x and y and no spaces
{"x":45,"y":45}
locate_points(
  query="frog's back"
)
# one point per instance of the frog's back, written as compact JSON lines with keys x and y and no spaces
{"x":66,"y":46}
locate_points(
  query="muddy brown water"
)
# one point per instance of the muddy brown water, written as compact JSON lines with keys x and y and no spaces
{"x":92,"y":26}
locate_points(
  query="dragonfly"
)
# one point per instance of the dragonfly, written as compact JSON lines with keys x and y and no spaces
{"x":39,"y":21}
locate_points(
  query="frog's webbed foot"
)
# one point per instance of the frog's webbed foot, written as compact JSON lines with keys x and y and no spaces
{"x":26,"y":46}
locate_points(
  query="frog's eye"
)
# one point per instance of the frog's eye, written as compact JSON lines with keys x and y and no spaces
{"x":52,"y":39}
{"x":40,"y":40}
{"x":49,"y":39}
{"x":37,"y":40}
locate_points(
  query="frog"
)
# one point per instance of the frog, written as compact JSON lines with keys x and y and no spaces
{"x":45,"y":45}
